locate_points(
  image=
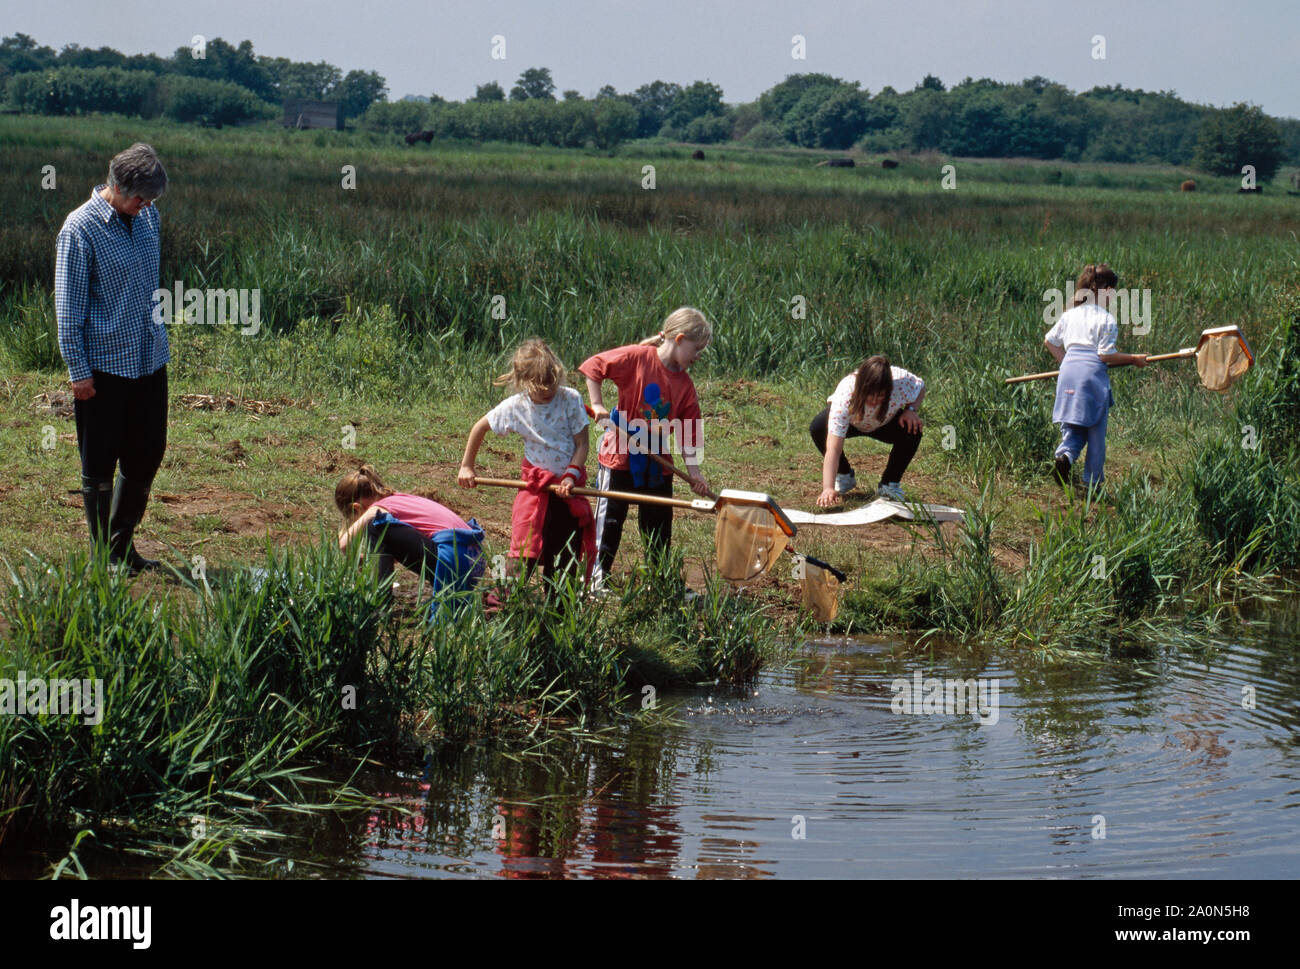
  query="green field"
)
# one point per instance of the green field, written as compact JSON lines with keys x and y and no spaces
{"x":377,"y":312}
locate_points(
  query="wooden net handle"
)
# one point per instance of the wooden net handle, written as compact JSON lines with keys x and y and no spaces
{"x":593,"y":493}
{"x":1152,"y":358}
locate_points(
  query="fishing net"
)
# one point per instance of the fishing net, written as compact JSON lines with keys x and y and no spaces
{"x":748,"y":541}
{"x":1220,"y":360}
{"x":821,"y":592}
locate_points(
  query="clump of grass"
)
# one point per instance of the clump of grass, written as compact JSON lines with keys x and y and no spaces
{"x":1270,"y":402}
{"x":1099,"y":564}
{"x":1244,"y":482}
{"x":963,"y":591}
{"x":1247,"y":506}
{"x":995,"y":426}
{"x":547,"y":654}
{"x":308,"y":626}
{"x":206,"y":710}
{"x":30,"y":337}
{"x":714,"y":634}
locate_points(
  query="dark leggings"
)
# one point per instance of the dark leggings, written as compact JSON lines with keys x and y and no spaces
{"x":403,"y":543}
{"x":124,"y":426}
{"x":561,"y":541}
{"x":900,"y":454}
{"x":655,"y":521}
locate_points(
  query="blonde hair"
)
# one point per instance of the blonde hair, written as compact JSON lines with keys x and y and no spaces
{"x":359,"y":486}
{"x":534,"y":369}
{"x":688,"y":322}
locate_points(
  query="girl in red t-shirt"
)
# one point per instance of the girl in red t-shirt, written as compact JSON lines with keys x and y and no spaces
{"x":656,"y":401}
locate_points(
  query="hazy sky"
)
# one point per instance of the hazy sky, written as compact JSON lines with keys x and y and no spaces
{"x":1209,"y":52}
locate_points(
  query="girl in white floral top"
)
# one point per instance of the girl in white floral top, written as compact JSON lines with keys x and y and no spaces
{"x":877,"y":401}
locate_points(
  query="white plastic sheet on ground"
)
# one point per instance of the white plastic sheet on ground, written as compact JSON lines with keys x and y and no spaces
{"x":878,"y":511}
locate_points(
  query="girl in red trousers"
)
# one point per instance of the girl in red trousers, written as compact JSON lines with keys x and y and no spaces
{"x":556,"y":528}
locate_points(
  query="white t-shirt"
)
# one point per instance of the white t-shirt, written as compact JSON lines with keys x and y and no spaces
{"x":1085,"y":326}
{"x":907,"y":388}
{"x":547,"y":429}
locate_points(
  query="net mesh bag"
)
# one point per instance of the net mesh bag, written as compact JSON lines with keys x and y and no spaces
{"x":747,"y":541}
{"x":821,"y":592}
{"x":1220,"y":362}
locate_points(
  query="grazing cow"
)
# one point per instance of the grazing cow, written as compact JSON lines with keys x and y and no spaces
{"x":836,"y":163}
{"x":1189,"y":186}
{"x":698,"y":154}
{"x":888,"y":163}
{"x":425,"y":136}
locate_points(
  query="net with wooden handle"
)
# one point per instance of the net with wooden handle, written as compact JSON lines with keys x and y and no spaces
{"x":749,"y":523}
{"x":1222,"y":355}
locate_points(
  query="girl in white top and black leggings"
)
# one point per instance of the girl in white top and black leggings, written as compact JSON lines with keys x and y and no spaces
{"x":877,"y":401}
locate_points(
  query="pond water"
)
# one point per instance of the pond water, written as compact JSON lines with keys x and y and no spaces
{"x":1166,"y":762}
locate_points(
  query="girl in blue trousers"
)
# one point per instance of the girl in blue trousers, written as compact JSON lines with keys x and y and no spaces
{"x":1083,"y":343}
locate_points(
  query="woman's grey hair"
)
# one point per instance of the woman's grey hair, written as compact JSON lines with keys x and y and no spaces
{"x":137,"y":171}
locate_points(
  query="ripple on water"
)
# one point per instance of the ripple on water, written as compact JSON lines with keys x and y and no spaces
{"x":1171,"y":764}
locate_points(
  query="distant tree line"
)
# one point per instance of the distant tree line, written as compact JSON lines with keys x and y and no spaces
{"x":1035,"y":118}
{"x":227,"y":85}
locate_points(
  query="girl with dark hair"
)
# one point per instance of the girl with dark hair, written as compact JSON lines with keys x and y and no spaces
{"x":877,"y":401}
{"x":1083,"y":343}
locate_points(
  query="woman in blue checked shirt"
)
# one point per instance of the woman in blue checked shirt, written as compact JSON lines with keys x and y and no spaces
{"x":106,"y":272}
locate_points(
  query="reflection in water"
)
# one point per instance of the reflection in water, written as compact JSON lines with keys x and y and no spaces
{"x":1137,"y":765}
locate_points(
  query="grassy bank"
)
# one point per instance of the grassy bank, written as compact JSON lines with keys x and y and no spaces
{"x":378,"y":339}
{"x":238,"y":696}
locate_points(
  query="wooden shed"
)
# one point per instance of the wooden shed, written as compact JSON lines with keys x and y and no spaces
{"x":299,"y":113}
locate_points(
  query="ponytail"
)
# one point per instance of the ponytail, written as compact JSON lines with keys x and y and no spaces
{"x":1094,"y":278}
{"x":359,"y":487}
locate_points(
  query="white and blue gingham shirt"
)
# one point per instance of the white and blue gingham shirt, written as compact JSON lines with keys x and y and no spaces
{"x":105,"y":275}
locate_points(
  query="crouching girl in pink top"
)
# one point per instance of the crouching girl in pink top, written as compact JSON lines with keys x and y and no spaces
{"x":428,"y":538}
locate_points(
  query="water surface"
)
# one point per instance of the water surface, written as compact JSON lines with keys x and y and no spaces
{"x":1151,"y":764}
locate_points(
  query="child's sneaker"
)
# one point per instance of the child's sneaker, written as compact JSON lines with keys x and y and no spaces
{"x":890,"y":491}
{"x":1061,"y":469}
{"x":844,"y":483}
